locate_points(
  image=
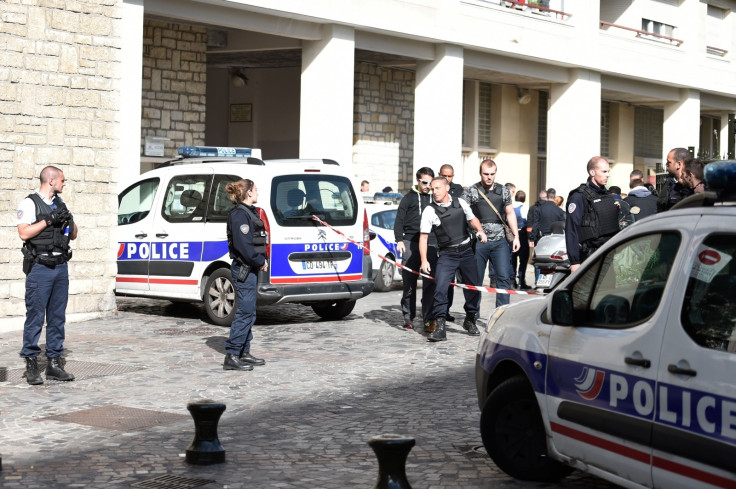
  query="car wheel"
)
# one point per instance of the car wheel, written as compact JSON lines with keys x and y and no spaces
{"x":513,"y":433}
{"x":333,"y":310}
{"x":219,"y":297}
{"x":385,"y":277}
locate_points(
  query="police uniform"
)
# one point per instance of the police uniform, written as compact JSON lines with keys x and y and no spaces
{"x":496,"y":250}
{"x":673,"y":193}
{"x":45,"y":258}
{"x":592,"y":219}
{"x":246,"y":241}
{"x":449,"y":223}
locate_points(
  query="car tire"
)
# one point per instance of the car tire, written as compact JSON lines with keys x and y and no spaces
{"x":385,"y":278}
{"x":513,"y":433}
{"x":220,"y":297}
{"x":333,"y":310}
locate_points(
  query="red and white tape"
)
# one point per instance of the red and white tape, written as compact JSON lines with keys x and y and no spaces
{"x":490,"y":290}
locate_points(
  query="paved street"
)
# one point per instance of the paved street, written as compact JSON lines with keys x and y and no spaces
{"x":301,"y":421}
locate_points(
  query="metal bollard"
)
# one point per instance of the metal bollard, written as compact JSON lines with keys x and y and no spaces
{"x":205,"y":449}
{"x":392,"y":451}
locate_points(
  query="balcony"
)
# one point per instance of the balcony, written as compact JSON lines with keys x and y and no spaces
{"x":642,"y":34}
{"x":533,"y":7}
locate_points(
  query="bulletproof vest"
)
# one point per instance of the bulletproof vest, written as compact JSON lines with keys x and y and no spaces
{"x":647,"y":205}
{"x":53,"y":239}
{"x":452,"y":229}
{"x":258,"y":228}
{"x":482,"y":210}
{"x":600,"y":219}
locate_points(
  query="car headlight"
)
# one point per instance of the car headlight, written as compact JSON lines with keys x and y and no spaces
{"x":494,"y":317}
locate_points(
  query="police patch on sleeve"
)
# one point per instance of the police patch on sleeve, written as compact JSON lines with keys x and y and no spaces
{"x":244,"y":229}
{"x":571,"y":208}
{"x":20,"y":213}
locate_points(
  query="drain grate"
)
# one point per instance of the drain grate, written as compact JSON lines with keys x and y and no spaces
{"x":198,"y":331}
{"x":81,"y":371}
{"x":171,"y":482}
{"x":472,"y":451}
{"x":119,"y":418}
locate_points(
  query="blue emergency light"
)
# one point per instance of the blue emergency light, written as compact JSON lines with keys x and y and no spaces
{"x":721,"y":175}
{"x":218,"y":151}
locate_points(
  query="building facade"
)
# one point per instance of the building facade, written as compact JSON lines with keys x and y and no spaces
{"x":108,"y":88}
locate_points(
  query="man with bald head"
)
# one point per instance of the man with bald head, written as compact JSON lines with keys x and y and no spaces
{"x":46,"y":226}
{"x":592,"y":214}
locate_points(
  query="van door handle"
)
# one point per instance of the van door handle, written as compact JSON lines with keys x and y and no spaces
{"x":162,"y":234}
{"x":674,"y":369}
{"x":141,"y":235}
{"x":639,"y":362}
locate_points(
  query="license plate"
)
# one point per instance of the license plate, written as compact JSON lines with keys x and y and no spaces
{"x":544,"y":281}
{"x":319,"y":265}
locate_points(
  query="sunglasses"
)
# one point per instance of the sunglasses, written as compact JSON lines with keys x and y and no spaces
{"x":425,"y":182}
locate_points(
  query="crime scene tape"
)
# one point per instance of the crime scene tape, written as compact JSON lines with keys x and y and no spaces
{"x":490,"y":290}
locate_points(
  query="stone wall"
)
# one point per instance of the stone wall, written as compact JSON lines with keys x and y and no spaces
{"x":383,"y":128}
{"x":174,"y":84}
{"x":59,"y":101}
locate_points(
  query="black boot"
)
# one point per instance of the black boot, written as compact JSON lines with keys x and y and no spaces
{"x":469,"y":326}
{"x":249,"y":359}
{"x":55,"y":371}
{"x":32,"y":375}
{"x":233,"y":362}
{"x":439,"y":332}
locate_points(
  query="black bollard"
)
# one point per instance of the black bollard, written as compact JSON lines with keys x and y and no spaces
{"x":391,"y":451}
{"x":205,"y":449}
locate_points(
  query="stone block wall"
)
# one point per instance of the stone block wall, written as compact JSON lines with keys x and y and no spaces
{"x":174,"y":84}
{"x":383,"y":127}
{"x":59,"y":101}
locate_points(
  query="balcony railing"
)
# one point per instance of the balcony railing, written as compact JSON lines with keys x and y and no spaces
{"x":644,"y":34}
{"x":716,"y":51}
{"x":535,"y":8}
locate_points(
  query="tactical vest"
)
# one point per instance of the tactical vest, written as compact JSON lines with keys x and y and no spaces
{"x":600,"y":219}
{"x":258,"y":228}
{"x":50,"y":246}
{"x":482,"y":210}
{"x":452,"y":229}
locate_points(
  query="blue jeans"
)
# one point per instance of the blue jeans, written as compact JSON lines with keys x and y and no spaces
{"x":245,"y":315}
{"x":47,"y":293}
{"x":499,"y":254}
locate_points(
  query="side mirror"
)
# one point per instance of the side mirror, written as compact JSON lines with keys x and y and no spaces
{"x":561,"y":308}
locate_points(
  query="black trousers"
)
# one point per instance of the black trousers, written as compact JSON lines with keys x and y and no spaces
{"x":411,"y":259}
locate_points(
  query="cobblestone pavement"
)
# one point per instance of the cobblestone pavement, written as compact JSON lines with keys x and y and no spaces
{"x":301,"y":421}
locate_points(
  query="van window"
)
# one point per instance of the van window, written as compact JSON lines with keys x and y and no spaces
{"x":135,"y":202}
{"x":709,"y":309}
{"x":185,"y":198}
{"x":295,"y":198}
{"x":220,"y":205}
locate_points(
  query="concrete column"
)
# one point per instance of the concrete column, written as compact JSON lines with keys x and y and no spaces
{"x":723,"y":136}
{"x":573,"y":129}
{"x":131,"y":27}
{"x":326,"y":106}
{"x":438,"y":111}
{"x":681,"y":128}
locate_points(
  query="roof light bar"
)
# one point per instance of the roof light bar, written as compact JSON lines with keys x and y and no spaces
{"x":218,"y":151}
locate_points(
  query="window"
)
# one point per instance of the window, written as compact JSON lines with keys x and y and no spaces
{"x":185,"y":198}
{"x":295,"y":198}
{"x":135,"y":203}
{"x":709,"y":308}
{"x":658,"y":28}
{"x":717,"y":31}
{"x":648,"y":125}
{"x":220,"y":205}
{"x":542,"y":123}
{"x":625,"y":286}
{"x":384,"y":220}
{"x":484,"y":116}
{"x":605,"y":128}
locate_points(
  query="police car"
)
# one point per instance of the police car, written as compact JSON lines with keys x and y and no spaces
{"x":381,"y":209}
{"x":628,"y":369}
{"x":172,"y":241}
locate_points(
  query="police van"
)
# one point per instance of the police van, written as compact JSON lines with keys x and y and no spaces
{"x":628,"y":369}
{"x":172,"y":241}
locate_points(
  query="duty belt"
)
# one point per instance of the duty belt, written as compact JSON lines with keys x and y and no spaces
{"x":458,"y":248}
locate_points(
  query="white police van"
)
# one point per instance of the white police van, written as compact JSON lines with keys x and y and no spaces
{"x":628,"y":369}
{"x":381,"y":209}
{"x":172,"y":239}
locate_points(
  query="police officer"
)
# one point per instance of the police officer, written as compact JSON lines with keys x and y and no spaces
{"x":456,"y":191}
{"x":674,"y":188}
{"x":46,"y":226}
{"x":447,"y":217}
{"x":406,"y":235}
{"x":592,"y":214}
{"x":246,"y":240}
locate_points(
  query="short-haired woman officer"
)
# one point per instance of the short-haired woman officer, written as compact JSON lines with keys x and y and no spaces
{"x":246,"y":240}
